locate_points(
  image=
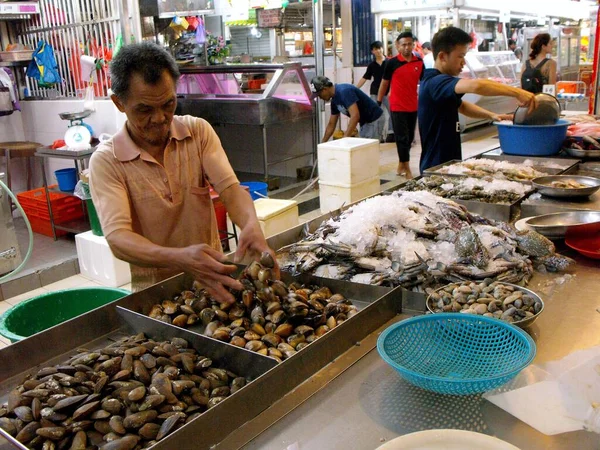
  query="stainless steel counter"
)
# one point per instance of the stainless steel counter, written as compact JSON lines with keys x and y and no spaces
{"x":369,"y":403}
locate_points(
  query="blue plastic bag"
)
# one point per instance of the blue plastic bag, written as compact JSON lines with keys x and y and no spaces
{"x":43,"y":66}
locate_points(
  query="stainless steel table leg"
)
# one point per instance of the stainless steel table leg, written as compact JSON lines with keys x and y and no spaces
{"x":264,"y":138}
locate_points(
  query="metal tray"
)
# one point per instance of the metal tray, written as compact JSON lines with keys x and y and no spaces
{"x":504,"y":212}
{"x":524,"y":323}
{"x":557,"y":224}
{"x":587,"y":154}
{"x":110,"y":322}
{"x":50,"y":152}
{"x":565,"y":163}
{"x":543,"y":185}
{"x":378,"y":305}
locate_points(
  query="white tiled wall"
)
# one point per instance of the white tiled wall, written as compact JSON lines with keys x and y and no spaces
{"x":41,"y":123}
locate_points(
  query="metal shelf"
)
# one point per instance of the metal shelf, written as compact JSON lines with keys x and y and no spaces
{"x":15,"y":63}
{"x":74,"y":226}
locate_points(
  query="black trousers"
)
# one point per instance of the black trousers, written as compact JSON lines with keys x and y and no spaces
{"x":404,"y":131}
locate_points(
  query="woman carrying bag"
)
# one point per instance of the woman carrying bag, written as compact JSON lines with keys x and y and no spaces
{"x":539,"y":70}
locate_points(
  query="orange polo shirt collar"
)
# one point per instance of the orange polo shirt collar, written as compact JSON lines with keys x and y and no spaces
{"x":127,"y":150}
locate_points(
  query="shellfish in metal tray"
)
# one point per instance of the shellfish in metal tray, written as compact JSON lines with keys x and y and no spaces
{"x":419,"y":240}
{"x":130,"y":394}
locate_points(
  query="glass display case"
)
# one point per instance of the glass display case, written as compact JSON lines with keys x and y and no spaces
{"x":502,"y":67}
{"x":268,"y":130}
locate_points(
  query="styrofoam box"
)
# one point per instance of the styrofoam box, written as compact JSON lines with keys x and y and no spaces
{"x":97,"y":262}
{"x":275,"y":216}
{"x":333,"y":196}
{"x":348,"y":160}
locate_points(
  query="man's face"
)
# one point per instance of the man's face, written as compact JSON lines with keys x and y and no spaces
{"x":149,"y":108}
{"x":405,"y":47}
{"x":326,"y":94}
{"x":512,"y":46}
{"x":454,"y":61}
{"x":377,"y":52}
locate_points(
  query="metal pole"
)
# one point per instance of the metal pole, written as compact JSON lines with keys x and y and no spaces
{"x":334,"y":41}
{"x":318,"y":37}
{"x":594,"y":106}
{"x":319,"y":56}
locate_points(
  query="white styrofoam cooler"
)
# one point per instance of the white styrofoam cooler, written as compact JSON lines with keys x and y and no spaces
{"x":333,"y":196}
{"x":274,"y":216}
{"x":348,"y":160}
{"x":97,"y":262}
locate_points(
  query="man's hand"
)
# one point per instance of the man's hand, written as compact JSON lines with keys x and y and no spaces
{"x":205,"y":264}
{"x":253,"y":243}
{"x":526,"y":98}
{"x":501,"y":117}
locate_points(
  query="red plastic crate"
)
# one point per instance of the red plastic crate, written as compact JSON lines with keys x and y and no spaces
{"x":64,"y":214}
{"x":42,"y":226}
{"x":36,"y":199}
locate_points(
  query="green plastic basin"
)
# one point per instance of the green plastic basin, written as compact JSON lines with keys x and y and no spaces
{"x":44,"y":311}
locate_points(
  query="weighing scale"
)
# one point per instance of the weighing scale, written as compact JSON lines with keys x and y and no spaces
{"x":78,"y":133}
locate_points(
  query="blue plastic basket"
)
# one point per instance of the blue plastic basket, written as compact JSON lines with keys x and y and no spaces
{"x":457,"y":354}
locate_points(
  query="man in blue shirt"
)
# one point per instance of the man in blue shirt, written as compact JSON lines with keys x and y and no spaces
{"x":440,"y":99}
{"x":352,"y":102}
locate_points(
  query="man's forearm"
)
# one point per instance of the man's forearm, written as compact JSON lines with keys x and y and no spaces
{"x":490,"y":88}
{"x":138,"y":250}
{"x":328,"y":132}
{"x":474,"y":111}
{"x":239,"y":206}
{"x":382,"y":90}
{"x":351,"y":126}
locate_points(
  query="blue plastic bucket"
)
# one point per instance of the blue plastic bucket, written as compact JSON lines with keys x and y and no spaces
{"x":67,"y":179}
{"x":257,"y":189}
{"x":532,"y":140}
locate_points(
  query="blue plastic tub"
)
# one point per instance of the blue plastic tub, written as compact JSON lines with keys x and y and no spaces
{"x":257,"y":189}
{"x":532,"y":140}
{"x":459,"y":354}
{"x":67,"y":179}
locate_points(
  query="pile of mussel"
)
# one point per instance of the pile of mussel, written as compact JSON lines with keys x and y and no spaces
{"x":269,"y":316}
{"x":130,"y":394}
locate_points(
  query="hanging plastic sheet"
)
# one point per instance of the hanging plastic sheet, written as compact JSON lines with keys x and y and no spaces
{"x":200,"y":31}
{"x":43,"y":66}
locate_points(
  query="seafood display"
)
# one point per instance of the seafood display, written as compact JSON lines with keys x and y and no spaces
{"x":487,"y":298}
{"x":419,"y":240}
{"x":493,"y":191}
{"x":483,"y":167}
{"x":568,"y":184}
{"x":130,"y":394}
{"x":268,"y":317}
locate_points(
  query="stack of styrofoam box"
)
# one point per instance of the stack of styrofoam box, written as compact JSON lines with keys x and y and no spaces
{"x":274,"y":216}
{"x":348,"y":171}
{"x":97,"y":262}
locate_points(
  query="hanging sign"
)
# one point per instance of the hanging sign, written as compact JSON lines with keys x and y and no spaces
{"x":269,"y":18}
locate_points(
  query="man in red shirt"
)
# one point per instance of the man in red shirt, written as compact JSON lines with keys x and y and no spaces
{"x":403,"y":73}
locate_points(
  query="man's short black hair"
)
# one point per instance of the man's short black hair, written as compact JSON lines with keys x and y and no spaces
{"x":405,"y":34}
{"x":145,"y":58}
{"x":376,"y":44}
{"x":426,"y":45}
{"x":447,"y":39}
{"x":511,"y":42}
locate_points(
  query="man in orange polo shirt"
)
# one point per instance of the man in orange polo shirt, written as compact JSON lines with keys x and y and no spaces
{"x":150,"y":182}
{"x":403,"y":73}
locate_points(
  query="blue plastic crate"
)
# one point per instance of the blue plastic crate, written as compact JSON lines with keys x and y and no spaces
{"x":456,"y":354}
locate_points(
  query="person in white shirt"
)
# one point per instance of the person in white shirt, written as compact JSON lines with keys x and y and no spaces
{"x":428,"y":60}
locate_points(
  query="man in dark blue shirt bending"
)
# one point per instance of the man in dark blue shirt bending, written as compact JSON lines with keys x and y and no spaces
{"x":440,"y":99}
{"x":352,"y":102}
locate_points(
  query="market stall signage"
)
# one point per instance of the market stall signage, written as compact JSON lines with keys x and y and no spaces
{"x":269,"y":18}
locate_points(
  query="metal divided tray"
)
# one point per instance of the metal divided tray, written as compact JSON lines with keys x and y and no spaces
{"x":270,"y":381}
{"x":109,"y":323}
{"x":518,"y":159}
{"x":564,"y":163}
